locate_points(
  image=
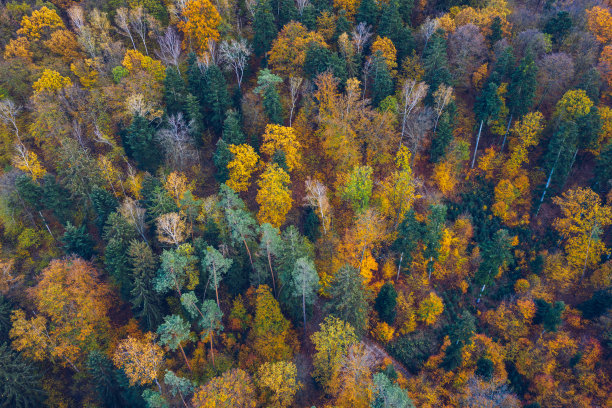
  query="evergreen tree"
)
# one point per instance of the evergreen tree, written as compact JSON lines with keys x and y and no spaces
{"x":6,"y":307}
{"x":118,"y":233}
{"x":56,"y":198}
{"x":548,"y":314}
{"x":496,"y":255}
{"x":140,"y":143}
{"x":434,"y":228}
{"x":367,"y":13}
{"x":174,"y":91}
{"x":385,"y":303}
{"x":496,"y":32}
{"x":309,"y":17}
{"x":195,"y":77}
{"x":435,"y":63}
{"x":145,"y":302}
{"x":488,"y":103}
{"x":264,"y":29}
{"x":304,"y":285}
{"x":285,"y":11}
{"x":104,"y":204}
{"x":29,"y":191}
{"x":392,"y":27}
{"x":382,"y":83}
{"x":216,"y":97}
{"x":266,"y":87}
{"x":444,"y":134}
{"x":320,"y":59}
{"x":602,"y":180}
{"x":522,"y":87}
{"x":105,"y":380}
{"x":559,"y":26}
{"x":194,"y":114}
{"x":232,"y":130}
{"x":349,"y":300}
{"x":77,"y":241}
{"x":388,"y":394}
{"x":221,"y":159}
{"x":405,"y":9}
{"x":409,"y":233}
{"x":20,"y":386}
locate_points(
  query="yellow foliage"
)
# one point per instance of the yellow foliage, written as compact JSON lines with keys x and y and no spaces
{"x":605,"y":130}
{"x":526,"y":133}
{"x":521,"y":286}
{"x":383,"y":332}
{"x":573,"y":105}
{"x":388,"y":51}
{"x":599,"y":22}
{"x":176,"y":185}
{"x":398,"y":190}
{"x":412,"y":68}
{"x":134,"y":61}
{"x":281,"y":380}
{"x":479,"y":76}
{"x":18,"y":48}
{"x":274,"y":197}
{"x":350,"y":6}
{"x":27,"y":161}
{"x":282,"y":138}
{"x":326,"y":25}
{"x":200,"y":24}
{"x":64,"y":43}
{"x":51,"y":81}
{"x":288,"y":52}
{"x":85,"y":71}
{"x":444,"y":177}
{"x":140,"y":359}
{"x":41,"y":21}
{"x":241,"y":167}
{"x":430,"y":308}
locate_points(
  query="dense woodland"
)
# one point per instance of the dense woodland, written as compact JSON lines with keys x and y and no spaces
{"x":330,"y":203}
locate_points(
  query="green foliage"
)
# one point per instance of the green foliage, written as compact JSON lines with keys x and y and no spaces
{"x":20,"y":386}
{"x":548,"y":314}
{"x":174,"y":91}
{"x":485,"y":368}
{"x":144,"y":300}
{"x":522,"y":88}
{"x":173,"y":331}
{"x":367,"y":12}
{"x":119,"y":72}
{"x":358,"y":188}
{"x":216,"y":100}
{"x":140,"y":143}
{"x":388,"y":394}
{"x":349,"y":299}
{"x":266,"y":87}
{"x":264,"y":29}
{"x":382,"y":83}
{"x":77,"y":241}
{"x":385,"y":303}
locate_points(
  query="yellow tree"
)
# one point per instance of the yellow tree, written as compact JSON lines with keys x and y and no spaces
{"x":288,"y":52}
{"x":176,"y":185}
{"x":430,"y":308}
{"x":232,"y":389}
{"x":279,"y":380}
{"x":573,"y":105}
{"x":140,"y":359}
{"x":398,"y":190}
{"x":349,"y":6}
{"x":599,"y":22}
{"x":27,"y":161}
{"x":582,"y":222}
{"x":526,"y":134}
{"x":42,"y":21}
{"x":353,"y":385}
{"x":274,"y":197}
{"x":135,"y":61}
{"x":72,"y":318}
{"x":388,"y":51}
{"x":282,"y":139}
{"x":241,"y":167}
{"x":51,"y":81}
{"x":200,"y":24}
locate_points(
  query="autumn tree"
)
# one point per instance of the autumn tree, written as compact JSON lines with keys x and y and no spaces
{"x":582,"y":222}
{"x":232,"y":389}
{"x":274,"y":197}
{"x":72,"y":303}
{"x":332,"y":343}
{"x":599,"y":22}
{"x":430,"y":308}
{"x":140,"y":359}
{"x":241,"y":167}
{"x":200,"y":24}
{"x":280,"y":382}
{"x":357,"y":189}
{"x":283,"y":139}
{"x":398,"y":190}
{"x":354,"y":382}
{"x":288,"y":52}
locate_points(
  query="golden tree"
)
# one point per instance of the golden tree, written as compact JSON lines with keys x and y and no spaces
{"x":599,"y":21}
{"x":280,"y":381}
{"x":430,"y":308}
{"x":388,"y":51}
{"x":288,"y":52}
{"x":42,"y":21}
{"x":51,"y":81}
{"x":274,"y":197}
{"x":200,"y":24}
{"x":232,"y":389}
{"x":282,"y":139}
{"x":398,"y":190}
{"x":581,"y":225}
{"x":140,"y":359}
{"x":241,"y":167}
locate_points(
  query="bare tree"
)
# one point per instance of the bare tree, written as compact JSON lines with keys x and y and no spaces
{"x":235,"y":54}
{"x":85,"y":35}
{"x":135,"y":215}
{"x":139,"y":21}
{"x":295,"y":85}
{"x":301,"y":4}
{"x":489,"y":394}
{"x":442,"y":97}
{"x":417,"y":128}
{"x":171,"y":229}
{"x":316,"y":197}
{"x":8,"y":115}
{"x":169,"y":47}
{"x":361,"y":35}
{"x":413,"y":92}
{"x":122,"y":20}
{"x":177,"y":142}
{"x":428,"y":28}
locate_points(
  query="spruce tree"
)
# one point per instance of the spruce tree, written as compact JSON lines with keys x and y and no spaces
{"x":367,"y":13}
{"x":174,"y":91}
{"x":444,"y":134}
{"x":104,"y":379}
{"x":382,"y":83}
{"x":20,"y":386}
{"x":216,"y":97}
{"x":263,"y":27}
{"x":104,"y":204}
{"x":140,"y":143}
{"x":77,"y":241}
{"x":232,"y":131}
{"x":144,"y":300}
{"x":385,"y":303}
{"x":221,"y":159}
{"x":349,"y":300}
{"x":266,"y":87}
{"x":56,"y":198}
{"x":522,"y":87}
{"x":435,"y":63}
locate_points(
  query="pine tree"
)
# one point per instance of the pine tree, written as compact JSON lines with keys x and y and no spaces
{"x":216,"y":97}
{"x":221,"y":159}
{"x":382,"y":83}
{"x":349,"y":299}
{"x":435,"y":63}
{"x":140,"y":143}
{"x":144,"y":300}
{"x":77,"y":241}
{"x":385,"y":303}
{"x":266,"y":87}
{"x":522,"y":88}
{"x":104,"y":204}
{"x":444,"y":134}
{"x":367,"y":13}
{"x":264,"y":28}
{"x":174,"y":91}
{"x":20,"y":386}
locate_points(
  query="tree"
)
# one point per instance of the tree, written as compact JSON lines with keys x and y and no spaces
{"x":496,"y":258}
{"x":139,"y":143}
{"x":522,"y":87}
{"x":387,"y":49}
{"x":367,"y":13}
{"x":288,"y":53}
{"x":176,"y":140}
{"x":353,"y":386}
{"x":40,"y":23}
{"x":245,"y":161}
{"x":210,"y":317}
{"x":271,"y":333}
{"x":398,"y":190}
{"x":140,"y":359}
{"x":380,"y":75}
{"x":316,"y":197}
{"x":349,"y":299}
{"x":171,"y":229}
{"x":77,"y":241}
{"x":358,"y":188}
{"x":235,"y":54}
{"x":107,"y":381}
{"x":174,"y":91}
{"x":263,"y":27}
{"x":270,"y":244}
{"x":174,"y":331}
{"x":144,"y":301}
{"x":20,"y":387}
{"x":430,"y":308}
{"x":280,"y":382}
{"x":217,"y":265}
{"x":178,"y":385}
{"x":385,"y":303}
{"x":305,"y":283}
{"x":266,"y":87}
{"x":214,"y":96}
{"x":200,"y":23}
{"x":281,"y":138}
{"x":548,"y":314}
{"x":72,"y":303}
{"x":599,"y":22}
{"x":176,"y":270}
{"x":234,"y":388}
{"x":273,"y":196}
{"x":389,"y":395}
{"x":332,"y":343}
{"x":582,"y":222}
{"x":241,"y":224}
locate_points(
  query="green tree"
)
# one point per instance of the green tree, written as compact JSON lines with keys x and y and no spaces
{"x":331,"y":343}
{"x":266,"y":87}
{"x":496,"y":257}
{"x":109,"y":383}
{"x":305,"y":283}
{"x":118,"y":233}
{"x":174,"y":331}
{"x":242,"y":225}
{"x":217,"y":266}
{"x":175,"y":271}
{"x":382,"y":83}
{"x":549,"y":314}
{"x":232,"y":130}
{"x":216,"y":99}
{"x":388,"y":394}
{"x":77,"y":241}
{"x":174,"y":91}
{"x":144,"y":300}
{"x":20,"y":386}
{"x":104,"y":204}
{"x":385,"y":303}
{"x":264,"y":29}
{"x":434,"y":227}
{"x":358,"y":188}
{"x":444,"y":134}
{"x":522,"y":88}
{"x":391,"y":26}
{"x":367,"y":12}
{"x":140,"y":143}
{"x":435,"y":63}
{"x":409,"y":233}
{"x":349,"y":299}
{"x":271,"y":333}
{"x":178,"y":385}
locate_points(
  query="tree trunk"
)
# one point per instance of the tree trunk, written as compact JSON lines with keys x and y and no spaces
{"x":506,"y":134}
{"x":248,"y":252}
{"x":548,"y":183}
{"x":212,"y":351}
{"x":271,"y":271}
{"x":185,"y":357}
{"x":477,"y":141}
{"x":399,"y":267}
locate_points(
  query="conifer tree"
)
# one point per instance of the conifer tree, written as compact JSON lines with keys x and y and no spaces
{"x":144,"y":300}
{"x":216,"y":98}
{"x":174,"y":91}
{"x":349,"y":299}
{"x":264,"y":28}
{"x":77,"y":241}
{"x":367,"y":13}
{"x":385,"y":303}
{"x":140,"y":143}
{"x":20,"y":386}
{"x":266,"y":87}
